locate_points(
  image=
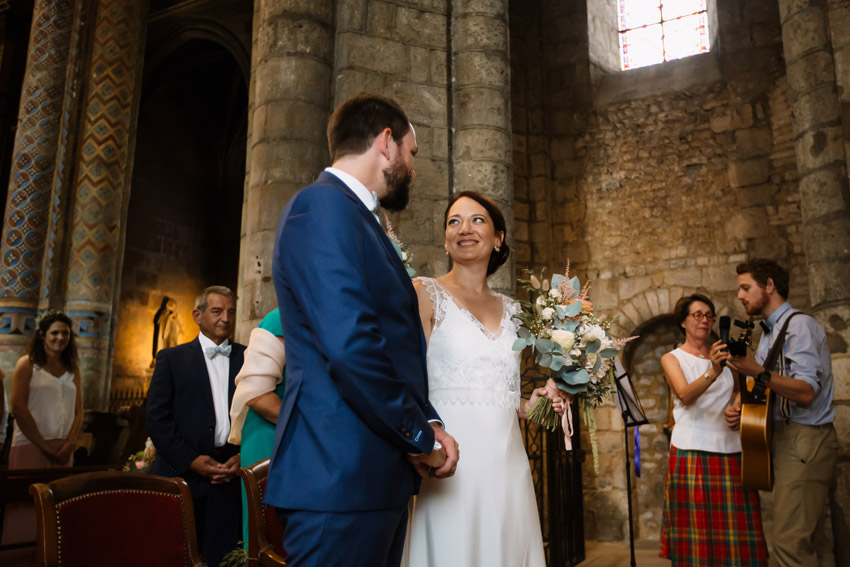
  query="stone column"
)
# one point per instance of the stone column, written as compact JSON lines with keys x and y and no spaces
{"x":101,"y":187}
{"x":33,"y":162}
{"x":481,"y":149}
{"x":822,"y":167}
{"x":291,"y":67}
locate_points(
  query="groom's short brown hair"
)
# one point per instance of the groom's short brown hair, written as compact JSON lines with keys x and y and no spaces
{"x":355,"y":123}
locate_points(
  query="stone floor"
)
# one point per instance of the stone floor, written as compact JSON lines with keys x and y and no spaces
{"x":606,"y":554}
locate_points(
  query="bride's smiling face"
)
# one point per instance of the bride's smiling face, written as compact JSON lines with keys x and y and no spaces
{"x":470,"y":234}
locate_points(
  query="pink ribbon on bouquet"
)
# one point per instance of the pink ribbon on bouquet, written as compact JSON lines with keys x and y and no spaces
{"x":553,"y":391}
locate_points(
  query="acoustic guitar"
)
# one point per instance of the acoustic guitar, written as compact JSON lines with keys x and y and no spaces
{"x":756,"y":437}
{"x":756,"y":432}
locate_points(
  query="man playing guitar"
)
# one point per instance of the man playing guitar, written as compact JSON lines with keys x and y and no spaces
{"x":805,"y":446}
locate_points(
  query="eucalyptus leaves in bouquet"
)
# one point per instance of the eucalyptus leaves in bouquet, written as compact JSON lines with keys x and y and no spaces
{"x":571,"y":342}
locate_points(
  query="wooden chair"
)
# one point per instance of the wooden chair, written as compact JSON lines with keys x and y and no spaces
{"x":115,"y":518}
{"x":265,"y":533}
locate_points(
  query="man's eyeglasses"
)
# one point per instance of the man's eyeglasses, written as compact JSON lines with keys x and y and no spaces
{"x":699,"y":316}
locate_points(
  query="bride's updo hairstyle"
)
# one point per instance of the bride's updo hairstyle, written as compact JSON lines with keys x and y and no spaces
{"x":496,"y":258}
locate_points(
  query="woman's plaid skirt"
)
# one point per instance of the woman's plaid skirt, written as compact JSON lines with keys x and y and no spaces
{"x":709,"y":518}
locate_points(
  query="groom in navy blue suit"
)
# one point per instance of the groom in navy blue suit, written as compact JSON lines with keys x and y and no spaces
{"x":355,"y":425}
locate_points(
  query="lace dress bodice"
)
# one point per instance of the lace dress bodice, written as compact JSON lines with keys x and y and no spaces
{"x":467,"y":364}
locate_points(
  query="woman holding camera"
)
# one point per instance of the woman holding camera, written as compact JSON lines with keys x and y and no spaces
{"x":709,"y":517}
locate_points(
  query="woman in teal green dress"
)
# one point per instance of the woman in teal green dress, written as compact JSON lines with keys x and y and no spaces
{"x":256,"y":400}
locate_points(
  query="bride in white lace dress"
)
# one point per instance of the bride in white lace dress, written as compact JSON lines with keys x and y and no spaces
{"x":486,"y":515}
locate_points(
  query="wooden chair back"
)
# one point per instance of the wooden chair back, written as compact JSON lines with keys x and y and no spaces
{"x":265,"y":533}
{"x":115,"y":518}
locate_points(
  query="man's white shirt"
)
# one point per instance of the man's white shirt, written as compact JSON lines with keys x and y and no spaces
{"x":369,"y":198}
{"x":219,"y":370}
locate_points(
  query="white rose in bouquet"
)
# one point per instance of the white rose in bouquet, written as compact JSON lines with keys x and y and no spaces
{"x":555,"y":293}
{"x":593,"y":333}
{"x":547,"y":313}
{"x":564,"y":338}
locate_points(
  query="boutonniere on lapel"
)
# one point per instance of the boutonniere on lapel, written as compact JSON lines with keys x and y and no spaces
{"x":401,"y":249}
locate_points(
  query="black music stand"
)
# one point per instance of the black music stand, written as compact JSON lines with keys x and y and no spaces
{"x":633,"y":415}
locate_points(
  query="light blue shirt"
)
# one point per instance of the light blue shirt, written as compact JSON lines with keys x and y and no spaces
{"x":807,"y":358}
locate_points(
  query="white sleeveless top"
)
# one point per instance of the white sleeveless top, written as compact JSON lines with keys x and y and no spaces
{"x":467,"y":364}
{"x":52,"y":403}
{"x":700,"y":426}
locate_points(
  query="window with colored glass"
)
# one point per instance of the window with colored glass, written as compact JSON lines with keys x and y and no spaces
{"x":655,"y":31}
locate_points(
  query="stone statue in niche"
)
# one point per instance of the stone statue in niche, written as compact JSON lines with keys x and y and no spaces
{"x":166,"y":327}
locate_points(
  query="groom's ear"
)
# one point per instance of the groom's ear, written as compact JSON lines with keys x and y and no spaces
{"x":383,"y":140}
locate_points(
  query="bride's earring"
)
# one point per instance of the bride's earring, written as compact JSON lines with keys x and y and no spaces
{"x":496,"y":249}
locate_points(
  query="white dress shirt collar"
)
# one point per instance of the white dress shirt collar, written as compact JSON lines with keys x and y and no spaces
{"x":207,"y":342}
{"x":369,"y":198}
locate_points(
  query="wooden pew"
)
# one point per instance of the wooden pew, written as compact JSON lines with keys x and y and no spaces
{"x":15,"y":485}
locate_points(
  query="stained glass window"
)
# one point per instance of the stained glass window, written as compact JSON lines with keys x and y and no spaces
{"x":655,"y":31}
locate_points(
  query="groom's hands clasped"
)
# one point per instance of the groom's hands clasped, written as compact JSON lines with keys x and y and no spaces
{"x":441,"y":462}
{"x":452,"y":452}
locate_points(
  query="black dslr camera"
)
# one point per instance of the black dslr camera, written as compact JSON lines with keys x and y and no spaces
{"x":739,"y":346}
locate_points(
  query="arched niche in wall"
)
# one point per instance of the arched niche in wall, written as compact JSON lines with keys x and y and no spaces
{"x":185,"y":211}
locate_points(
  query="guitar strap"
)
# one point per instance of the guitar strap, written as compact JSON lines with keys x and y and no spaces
{"x":773,"y":355}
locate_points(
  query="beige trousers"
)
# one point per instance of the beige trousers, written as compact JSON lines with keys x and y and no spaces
{"x":805,"y":460}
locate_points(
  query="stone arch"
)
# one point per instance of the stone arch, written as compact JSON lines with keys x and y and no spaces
{"x":191,"y":29}
{"x":649,"y":305}
{"x":189,"y":155}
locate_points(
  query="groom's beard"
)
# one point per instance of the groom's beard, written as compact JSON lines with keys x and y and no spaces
{"x":397,"y":178}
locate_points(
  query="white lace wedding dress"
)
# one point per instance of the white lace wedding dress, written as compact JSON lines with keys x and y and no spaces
{"x":486,"y":515}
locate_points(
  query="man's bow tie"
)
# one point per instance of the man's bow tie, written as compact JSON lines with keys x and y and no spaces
{"x":211,"y":352}
{"x":766,"y":327}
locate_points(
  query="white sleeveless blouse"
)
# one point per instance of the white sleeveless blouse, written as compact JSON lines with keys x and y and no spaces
{"x":467,"y":364}
{"x":701,"y":426}
{"x":52,"y":403}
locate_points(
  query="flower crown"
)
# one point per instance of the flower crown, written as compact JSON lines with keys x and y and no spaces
{"x":49,"y":313}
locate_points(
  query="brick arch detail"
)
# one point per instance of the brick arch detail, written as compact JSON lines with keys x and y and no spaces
{"x":651,"y":304}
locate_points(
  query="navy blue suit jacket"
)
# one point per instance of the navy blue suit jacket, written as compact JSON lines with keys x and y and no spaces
{"x":180,"y":411}
{"x":356,"y":400}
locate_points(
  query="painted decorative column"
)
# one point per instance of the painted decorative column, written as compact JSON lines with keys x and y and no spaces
{"x":33,"y":163}
{"x":291,"y":67}
{"x":821,"y":162}
{"x":101,"y":187}
{"x":55,"y":257}
{"x":482,"y":152}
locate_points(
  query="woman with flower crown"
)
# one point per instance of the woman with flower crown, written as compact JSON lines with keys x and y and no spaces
{"x":47,"y":399}
{"x":487,"y":513}
{"x":709,"y":517}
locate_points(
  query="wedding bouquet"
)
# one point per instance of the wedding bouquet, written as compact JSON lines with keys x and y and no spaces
{"x":142,"y":461}
{"x":569,"y":340}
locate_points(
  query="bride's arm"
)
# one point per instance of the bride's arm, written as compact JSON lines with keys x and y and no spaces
{"x":426,"y":309}
{"x":526,"y":405}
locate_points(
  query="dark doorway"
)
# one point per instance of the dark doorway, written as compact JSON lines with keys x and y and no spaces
{"x":185,"y":211}
{"x":15,"y":26}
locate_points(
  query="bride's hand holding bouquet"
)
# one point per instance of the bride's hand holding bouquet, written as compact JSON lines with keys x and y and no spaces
{"x":568,"y":339}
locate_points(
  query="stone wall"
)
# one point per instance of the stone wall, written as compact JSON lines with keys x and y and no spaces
{"x":531,"y":163}
{"x":401,"y":49}
{"x":654,"y":183}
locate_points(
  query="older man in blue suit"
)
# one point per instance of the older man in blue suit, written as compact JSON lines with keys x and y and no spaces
{"x":355,"y":425}
{"x":188,"y":417}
